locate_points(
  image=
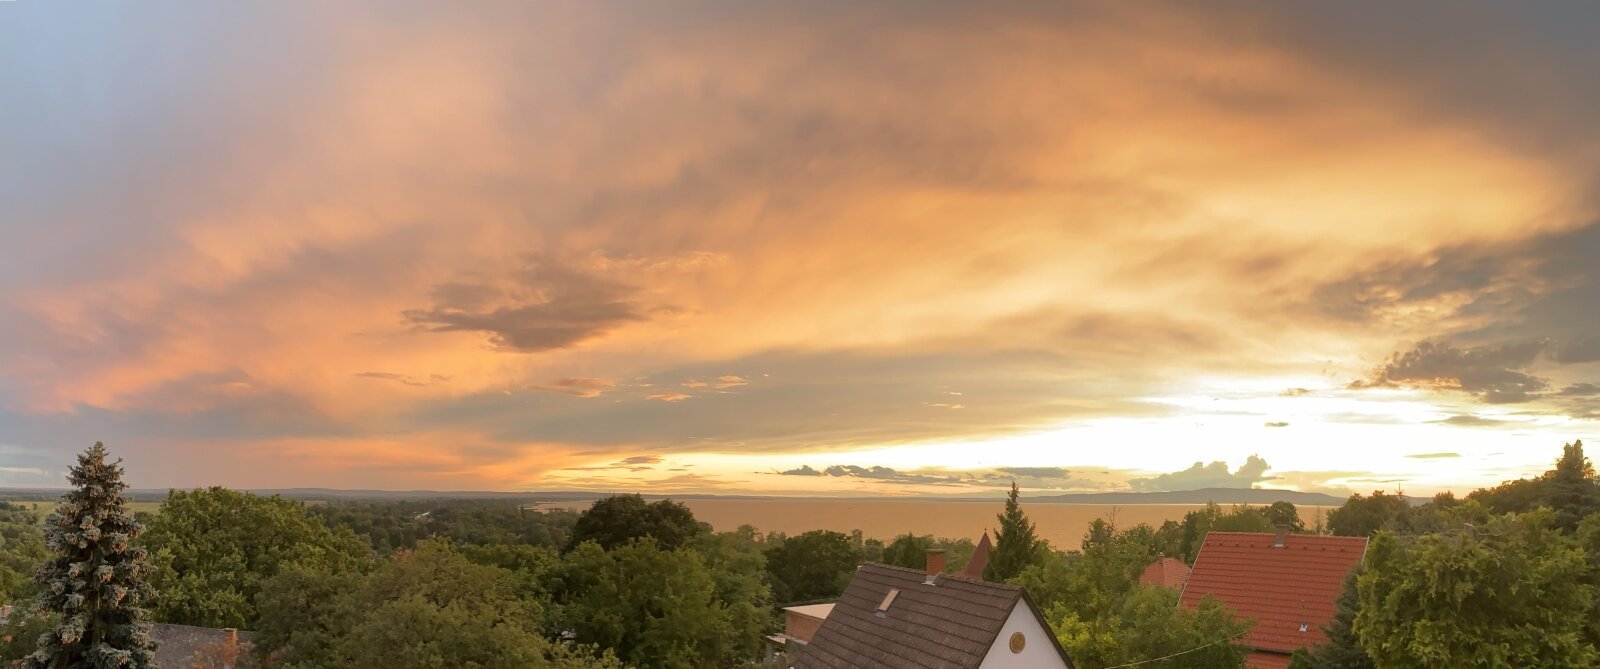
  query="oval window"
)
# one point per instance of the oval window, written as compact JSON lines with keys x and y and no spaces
{"x":1017,"y":642}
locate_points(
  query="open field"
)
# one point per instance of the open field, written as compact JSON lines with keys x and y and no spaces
{"x":45,"y":507}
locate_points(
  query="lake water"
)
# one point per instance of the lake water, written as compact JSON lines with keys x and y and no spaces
{"x":1062,"y":524}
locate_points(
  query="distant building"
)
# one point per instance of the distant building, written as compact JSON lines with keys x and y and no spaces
{"x":890,"y":618}
{"x":980,"y":558}
{"x":1165,"y":572}
{"x":1286,"y":582}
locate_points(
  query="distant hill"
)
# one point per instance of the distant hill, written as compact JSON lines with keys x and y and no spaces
{"x":1218,"y":495}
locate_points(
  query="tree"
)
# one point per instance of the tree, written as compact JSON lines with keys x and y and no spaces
{"x":1361,"y":516}
{"x":1149,"y":625}
{"x":909,"y":551}
{"x":425,"y":608}
{"x":95,"y":579}
{"x":1511,"y":594}
{"x":811,"y":566}
{"x":215,"y":547}
{"x":1570,"y":489}
{"x":1284,"y":513}
{"x":616,"y":520}
{"x":21,"y":550}
{"x":656,"y":608}
{"x":1015,"y":545}
{"x":1343,"y":649}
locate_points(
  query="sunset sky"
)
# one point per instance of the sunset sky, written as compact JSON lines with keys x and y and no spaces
{"x":916,"y":248}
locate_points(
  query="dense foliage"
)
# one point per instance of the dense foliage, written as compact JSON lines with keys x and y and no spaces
{"x":93,"y":583}
{"x":387,"y":525}
{"x":420,"y":609}
{"x":812,"y":566}
{"x":616,"y":521}
{"x":911,"y":551}
{"x":213,"y":548}
{"x":21,"y":550}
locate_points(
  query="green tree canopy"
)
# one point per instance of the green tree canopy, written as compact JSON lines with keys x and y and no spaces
{"x":1149,"y":625}
{"x":1570,"y":489}
{"x":94,"y":582}
{"x":1015,"y":544}
{"x":811,"y":566}
{"x":427,"y":608}
{"x":21,"y":550}
{"x":614,"y":521}
{"x":1510,"y":594}
{"x":657,"y":608}
{"x":215,"y":547}
{"x":1362,"y":516}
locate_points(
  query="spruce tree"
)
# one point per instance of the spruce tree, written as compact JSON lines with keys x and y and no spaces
{"x":1015,"y":545}
{"x":95,"y":581}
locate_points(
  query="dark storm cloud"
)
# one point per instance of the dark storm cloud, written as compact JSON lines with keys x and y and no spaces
{"x":1200,"y":475}
{"x":550,"y":304}
{"x":1492,"y":373}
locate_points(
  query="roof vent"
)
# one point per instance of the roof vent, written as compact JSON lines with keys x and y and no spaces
{"x":932,"y":579}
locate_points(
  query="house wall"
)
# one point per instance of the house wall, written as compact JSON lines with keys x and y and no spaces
{"x":800,"y":626}
{"x":1037,"y":653}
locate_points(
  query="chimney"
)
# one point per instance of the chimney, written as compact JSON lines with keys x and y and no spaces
{"x":1282,"y":535}
{"x":935,"y":561}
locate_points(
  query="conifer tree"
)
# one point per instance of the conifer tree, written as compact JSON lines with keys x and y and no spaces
{"x":1015,"y":545}
{"x":95,"y":581}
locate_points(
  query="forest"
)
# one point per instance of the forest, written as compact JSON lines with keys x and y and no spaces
{"x":1501,"y":577}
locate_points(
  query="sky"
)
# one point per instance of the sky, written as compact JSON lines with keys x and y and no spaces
{"x":821,"y":248}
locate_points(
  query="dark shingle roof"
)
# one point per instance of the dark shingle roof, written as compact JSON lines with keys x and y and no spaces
{"x":1283,"y":589}
{"x":949,"y":625}
{"x":179,"y":643}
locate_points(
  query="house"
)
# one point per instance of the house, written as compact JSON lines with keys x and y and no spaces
{"x":800,"y":623}
{"x":891,"y":617}
{"x":1165,"y":572}
{"x":186,"y":647}
{"x":980,"y":558}
{"x":1286,"y":582}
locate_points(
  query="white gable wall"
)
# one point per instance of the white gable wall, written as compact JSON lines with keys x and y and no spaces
{"x":1038,"y":653}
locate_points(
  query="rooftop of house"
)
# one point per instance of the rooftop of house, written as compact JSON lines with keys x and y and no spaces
{"x":1289,"y":588}
{"x":818,"y":611}
{"x":1165,"y":572}
{"x":893,"y":617}
{"x":980,"y":558}
{"x":179,"y":645}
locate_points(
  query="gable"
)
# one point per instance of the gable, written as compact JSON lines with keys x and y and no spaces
{"x":950,"y":624}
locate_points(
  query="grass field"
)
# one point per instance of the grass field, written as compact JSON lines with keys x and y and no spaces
{"x":47,"y":506}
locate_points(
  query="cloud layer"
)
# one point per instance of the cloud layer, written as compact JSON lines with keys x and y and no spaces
{"x":430,"y":247}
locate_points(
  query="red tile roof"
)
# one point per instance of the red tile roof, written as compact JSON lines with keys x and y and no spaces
{"x":1266,"y":660}
{"x":980,"y":558}
{"x":1165,"y":572}
{"x":1289,"y":591}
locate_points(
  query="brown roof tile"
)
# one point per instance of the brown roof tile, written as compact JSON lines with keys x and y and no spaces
{"x":980,"y":559}
{"x":1165,"y":572}
{"x":1283,"y":589}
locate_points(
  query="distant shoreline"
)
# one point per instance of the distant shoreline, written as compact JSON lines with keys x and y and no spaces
{"x":1217,"y":495}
